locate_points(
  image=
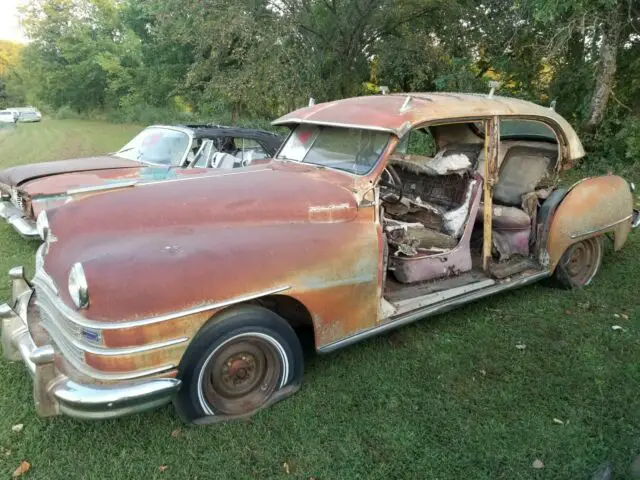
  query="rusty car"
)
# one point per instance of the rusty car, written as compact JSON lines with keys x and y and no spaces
{"x":157,"y":153}
{"x":375,"y":212}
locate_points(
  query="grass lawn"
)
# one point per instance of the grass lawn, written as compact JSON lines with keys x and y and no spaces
{"x":450,"y":397}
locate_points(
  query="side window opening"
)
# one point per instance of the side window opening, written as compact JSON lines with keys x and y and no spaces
{"x":249,"y":150}
{"x":418,"y":142}
{"x":203,"y":157}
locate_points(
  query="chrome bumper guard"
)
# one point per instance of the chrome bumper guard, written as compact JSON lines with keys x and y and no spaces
{"x":13,"y":216}
{"x":54,"y":393}
{"x":635,"y":219}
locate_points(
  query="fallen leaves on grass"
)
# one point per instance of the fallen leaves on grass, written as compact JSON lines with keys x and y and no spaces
{"x":162,"y":468}
{"x":558,"y":421}
{"x":626,"y":317}
{"x":520,"y":346}
{"x":176,"y":433}
{"x":617,"y":328}
{"x":287,"y":470}
{"x":537,"y":464}
{"x":23,"y":468}
{"x":17,"y":428}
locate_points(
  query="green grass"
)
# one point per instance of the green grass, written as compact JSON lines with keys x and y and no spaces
{"x":450,"y":397}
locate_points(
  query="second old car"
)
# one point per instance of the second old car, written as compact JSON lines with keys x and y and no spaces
{"x":376,"y":211}
{"x":158,"y":153}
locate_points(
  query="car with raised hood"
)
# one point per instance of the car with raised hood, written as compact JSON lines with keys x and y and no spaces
{"x":376,"y":211}
{"x":158,"y":153}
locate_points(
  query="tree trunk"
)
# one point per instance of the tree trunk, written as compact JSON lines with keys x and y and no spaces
{"x":606,"y":71}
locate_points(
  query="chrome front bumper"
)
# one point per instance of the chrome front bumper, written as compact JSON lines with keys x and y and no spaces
{"x":54,"y":393}
{"x":13,"y":216}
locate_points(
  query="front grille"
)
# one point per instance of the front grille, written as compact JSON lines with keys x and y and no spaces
{"x":67,"y":334}
{"x":16,"y":198}
{"x":51,"y":321}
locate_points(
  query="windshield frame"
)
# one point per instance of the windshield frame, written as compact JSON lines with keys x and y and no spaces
{"x":183,"y":160}
{"x":316,"y":134}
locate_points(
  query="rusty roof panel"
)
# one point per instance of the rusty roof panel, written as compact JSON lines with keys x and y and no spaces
{"x":389,"y":113}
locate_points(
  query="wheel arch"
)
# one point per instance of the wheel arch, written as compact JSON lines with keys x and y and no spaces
{"x":590,"y":208}
{"x":294,"y":312}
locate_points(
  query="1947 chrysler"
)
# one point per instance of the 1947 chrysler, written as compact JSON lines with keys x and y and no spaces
{"x":376,"y":211}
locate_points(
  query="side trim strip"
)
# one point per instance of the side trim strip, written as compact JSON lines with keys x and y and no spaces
{"x":213,"y":174}
{"x":54,"y":331}
{"x":430,"y":310}
{"x":98,"y":188}
{"x":78,"y":319}
{"x":599,"y":229}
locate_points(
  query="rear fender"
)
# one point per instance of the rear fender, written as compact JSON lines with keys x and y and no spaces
{"x":590,"y":208}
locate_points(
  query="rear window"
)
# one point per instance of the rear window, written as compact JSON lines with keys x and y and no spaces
{"x":514,"y":129}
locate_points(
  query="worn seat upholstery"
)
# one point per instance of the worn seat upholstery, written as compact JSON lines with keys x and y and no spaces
{"x":522,"y":170}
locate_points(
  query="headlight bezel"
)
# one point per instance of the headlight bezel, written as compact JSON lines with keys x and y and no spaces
{"x":78,"y":286}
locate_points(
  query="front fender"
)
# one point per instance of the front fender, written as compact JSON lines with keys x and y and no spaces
{"x":592,"y":207}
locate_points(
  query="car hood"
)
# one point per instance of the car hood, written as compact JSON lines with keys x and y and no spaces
{"x":227,"y":214}
{"x":16,"y":176}
{"x":275,"y":192}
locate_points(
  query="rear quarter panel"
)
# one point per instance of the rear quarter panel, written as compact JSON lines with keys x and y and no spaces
{"x":592,"y":207}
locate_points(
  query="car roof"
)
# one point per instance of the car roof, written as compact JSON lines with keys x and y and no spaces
{"x":399,"y":113}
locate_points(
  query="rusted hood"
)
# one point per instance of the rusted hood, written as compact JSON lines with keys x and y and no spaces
{"x":272,"y":193}
{"x":168,"y":232}
{"x":16,"y":176}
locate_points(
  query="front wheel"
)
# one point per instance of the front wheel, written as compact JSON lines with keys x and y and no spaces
{"x":580,"y":263}
{"x":240,"y":362}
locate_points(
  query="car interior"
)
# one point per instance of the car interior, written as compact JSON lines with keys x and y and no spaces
{"x":431,"y":196}
{"x":225,"y":152}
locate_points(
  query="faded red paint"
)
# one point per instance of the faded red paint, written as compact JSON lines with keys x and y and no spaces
{"x":389,"y":112}
{"x":238,"y":233}
{"x":313,"y":232}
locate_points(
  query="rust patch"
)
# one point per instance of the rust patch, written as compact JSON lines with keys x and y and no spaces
{"x":593,"y":207}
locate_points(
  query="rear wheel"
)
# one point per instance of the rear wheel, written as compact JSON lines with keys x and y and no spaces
{"x":580,"y":263}
{"x":240,"y":362}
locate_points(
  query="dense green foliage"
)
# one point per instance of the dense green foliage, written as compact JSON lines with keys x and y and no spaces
{"x":229,"y":60}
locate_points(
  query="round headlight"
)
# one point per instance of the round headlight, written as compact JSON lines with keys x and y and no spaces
{"x":78,"y":288}
{"x":42,"y":225}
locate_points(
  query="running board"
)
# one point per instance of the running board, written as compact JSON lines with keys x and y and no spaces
{"x":411,"y":304}
{"x":433,"y":309}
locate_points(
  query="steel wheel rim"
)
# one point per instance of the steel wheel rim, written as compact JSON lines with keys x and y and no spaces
{"x":241,"y":376}
{"x":582,"y":261}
